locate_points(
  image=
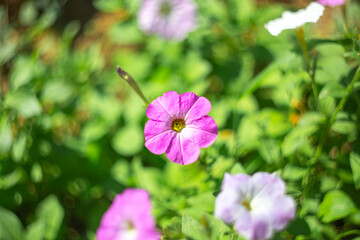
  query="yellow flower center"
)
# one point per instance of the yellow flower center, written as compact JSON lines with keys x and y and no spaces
{"x":165,"y":9}
{"x":178,"y":125}
{"x":246,"y":204}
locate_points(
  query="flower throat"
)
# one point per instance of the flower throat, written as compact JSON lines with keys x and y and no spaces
{"x":178,"y":124}
{"x":165,"y":9}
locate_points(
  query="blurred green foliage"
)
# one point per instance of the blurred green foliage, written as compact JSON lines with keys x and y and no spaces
{"x":71,"y":131}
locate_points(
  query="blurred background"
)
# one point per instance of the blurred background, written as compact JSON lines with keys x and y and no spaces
{"x":71,"y":131}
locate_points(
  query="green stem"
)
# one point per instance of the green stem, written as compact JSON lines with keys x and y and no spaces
{"x":349,"y":90}
{"x":130,"y":80}
{"x":320,"y":144}
{"x":348,"y":233}
{"x":301,"y":37}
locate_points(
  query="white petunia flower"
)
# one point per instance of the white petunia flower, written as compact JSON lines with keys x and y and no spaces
{"x":291,"y":20}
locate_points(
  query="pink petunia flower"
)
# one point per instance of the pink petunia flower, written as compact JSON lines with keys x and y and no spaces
{"x":256,"y":205}
{"x":128,"y":218}
{"x":331,"y":3}
{"x":179,"y":126}
{"x":171,"y":19}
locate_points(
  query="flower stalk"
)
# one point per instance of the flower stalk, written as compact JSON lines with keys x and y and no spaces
{"x":130,"y":80}
{"x":311,"y":71}
{"x":349,"y":90}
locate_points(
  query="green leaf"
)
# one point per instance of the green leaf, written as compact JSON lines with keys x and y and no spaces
{"x":24,"y":103}
{"x":192,"y":228}
{"x":195,"y":68}
{"x":336,"y":205}
{"x":203,"y":201}
{"x":355,"y":167}
{"x":51,"y":213}
{"x":126,"y":33}
{"x":293,"y":173}
{"x":120,"y":171}
{"x":243,"y":10}
{"x":108,"y":5}
{"x":19,"y":147}
{"x":10,"y":179}
{"x":36,"y":173}
{"x":22,"y":72}
{"x":36,"y":231}
{"x":191,"y":175}
{"x":297,"y":138}
{"x":270,"y":151}
{"x":10,"y":226}
{"x":56,"y":91}
{"x":299,"y":227}
{"x":237,"y":168}
{"x":344,"y":127}
{"x":28,"y":13}
{"x":129,"y":140}
{"x":332,"y":89}
{"x":5,"y":135}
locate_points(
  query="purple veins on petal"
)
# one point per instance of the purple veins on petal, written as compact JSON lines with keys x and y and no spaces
{"x":182,"y":150}
{"x":193,"y":107}
{"x":164,"y":107}
{"x":179,"y":126}
{"x":204,"y":130}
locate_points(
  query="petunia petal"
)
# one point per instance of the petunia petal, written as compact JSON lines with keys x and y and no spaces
{"x":193,"y":107}
{"x":158,"y":144}
{"x":107,"y":233}
{"x":279,"y":210}
{"x":238,"y":182}
{"x":253,"y":227}
{"x":182,"y":150}
{"x":132,"y":206}
{"x":227,"y":207}
{"x":153,"y":128}
{"x":164,"y":108}
{"x":266,"y":184}
{"x":331,"y":3}
{"x":204,"y":131}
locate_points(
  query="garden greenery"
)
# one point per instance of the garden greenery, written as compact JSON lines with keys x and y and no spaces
{"x":283,"y":108}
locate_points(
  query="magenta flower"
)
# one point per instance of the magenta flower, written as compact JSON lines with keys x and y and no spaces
{"x":256,"y":205}
{"x":171,"y":19}
{"x":128,"y":218}
{"x":179,"y":126}
{"x":331,"y":3}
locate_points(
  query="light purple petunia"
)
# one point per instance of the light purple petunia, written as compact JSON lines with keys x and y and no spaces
{"x":128,"y":218}
{"x":256,"y":205}
{"x":171,"y":19}
{"x":331,"y":3}
{"x":179,"y":126}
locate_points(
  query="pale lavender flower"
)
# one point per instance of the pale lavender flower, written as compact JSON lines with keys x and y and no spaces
{"x":171,"y":19}
{"x":256,"y":205}
{"x":331,"y":3}
{"x":128,"y":218}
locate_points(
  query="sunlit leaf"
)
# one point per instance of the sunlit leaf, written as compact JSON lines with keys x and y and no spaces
{"x":51,"y":213}
{"x":10,"y":225}
{"x":335,"y":205}
{"x":355,"y":167}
